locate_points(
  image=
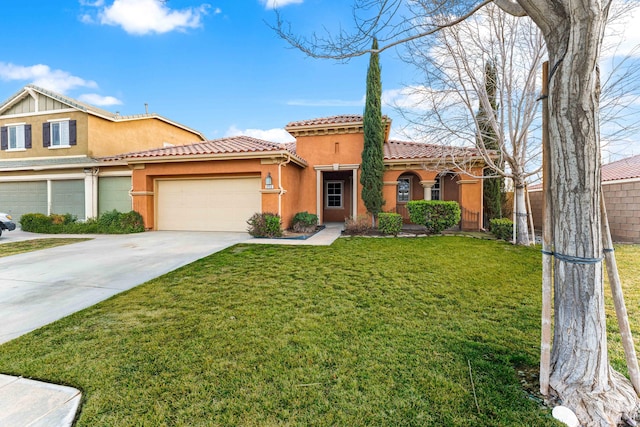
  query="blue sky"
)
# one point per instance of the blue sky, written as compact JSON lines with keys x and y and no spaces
{"x":215,"y":66}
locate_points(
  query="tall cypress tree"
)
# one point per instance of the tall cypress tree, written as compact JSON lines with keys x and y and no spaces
{"x":372,"y":154}
{"x":493,"y":187}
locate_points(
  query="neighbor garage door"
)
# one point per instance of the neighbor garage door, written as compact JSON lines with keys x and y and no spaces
{"x":113,"y":193}
{"x":207,"y":204}
{"x":19,"y":198}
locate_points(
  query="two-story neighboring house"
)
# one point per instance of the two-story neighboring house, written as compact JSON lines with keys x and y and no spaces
{"x":50,"y":150}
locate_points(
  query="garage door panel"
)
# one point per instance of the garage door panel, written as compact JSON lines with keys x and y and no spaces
{"x":67,"y":197}
{"x":207,"y":204}
{"x":19,"y":198}
{"x":113,"y":194}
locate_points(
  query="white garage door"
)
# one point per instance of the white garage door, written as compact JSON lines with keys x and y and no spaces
{"x":207,"y":204}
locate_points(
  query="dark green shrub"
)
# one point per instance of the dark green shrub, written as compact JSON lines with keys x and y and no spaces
{"x":35,"y":222}
{"x":264,"y":224}
{"x":109,"y":223}
{"x":502,"y":228}
{"x":389,"y":223}
{"x":356,"y":226}
{"x":109,"y":219}
{"x":435,"y":215}
{"x":304,"y":222}
{"x":132,"y":221}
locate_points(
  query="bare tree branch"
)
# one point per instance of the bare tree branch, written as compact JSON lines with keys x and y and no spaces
{"x":346,"y":45}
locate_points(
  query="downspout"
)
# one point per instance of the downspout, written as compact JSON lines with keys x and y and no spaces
{"x":282,"y":190}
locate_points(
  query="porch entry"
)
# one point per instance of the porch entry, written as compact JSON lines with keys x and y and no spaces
{"x":337,"y":194}
{"x":409,"y":188}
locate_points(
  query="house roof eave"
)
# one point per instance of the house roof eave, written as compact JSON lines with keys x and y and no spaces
{"x":284,"y":154}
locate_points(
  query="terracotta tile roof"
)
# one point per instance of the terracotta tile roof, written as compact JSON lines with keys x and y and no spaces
{"x":400,"y":150}
{"x":628,"y":168}
{"x":622,"y":169}
{"x":231,"y":145}
{"x":333,"y":120}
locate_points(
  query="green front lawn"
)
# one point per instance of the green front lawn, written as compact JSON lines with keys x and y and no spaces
{"x":367,"y":332}
{"x":14,"y":248}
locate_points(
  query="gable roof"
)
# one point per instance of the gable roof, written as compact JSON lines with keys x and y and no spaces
{"x":622,"y":169}
{"x":235,"y":146}
{"x":30,"y":90}
{"x":346,"y":123}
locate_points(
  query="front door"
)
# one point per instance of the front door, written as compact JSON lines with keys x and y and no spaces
{"x":337,"y":195}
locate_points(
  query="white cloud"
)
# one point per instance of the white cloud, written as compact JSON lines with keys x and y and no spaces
{"x":415,"y":98}
{"x":43,"y":76}
{"x":272,"y":4}
{"x":142,"y":17}
{"x":95,"y":3}
{"x":272,"y":135}
{"x":622,"y":36}
{"x":95,"y":99}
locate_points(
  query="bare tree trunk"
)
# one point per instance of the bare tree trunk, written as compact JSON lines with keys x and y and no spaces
{"x":520,"y":206}
{"x":580,"y":372}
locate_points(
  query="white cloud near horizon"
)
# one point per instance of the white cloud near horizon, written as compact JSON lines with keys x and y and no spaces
{"x":42,"y":75}
{"x":99,"y":100}
{"x":273,"y":135}
{"x":142,"y":17}
{"x":273,"y":4}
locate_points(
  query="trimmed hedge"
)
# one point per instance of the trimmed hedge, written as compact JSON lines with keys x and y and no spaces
{"x":502,"y":228}
{"x":389,"y":223}
{"x":435,"y":215}
{"x":113,"y":222}
{"x":264,"y":224}
{"x":304,"y":222}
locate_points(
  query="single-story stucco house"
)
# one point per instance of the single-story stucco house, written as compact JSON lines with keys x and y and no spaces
{"x":219,"y":184}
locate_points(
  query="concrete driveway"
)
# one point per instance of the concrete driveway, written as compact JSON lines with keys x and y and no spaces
{"x":37,"y":288}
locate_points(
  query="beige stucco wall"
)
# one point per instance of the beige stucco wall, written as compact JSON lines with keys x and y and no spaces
{"x":37,"y":149}
{"x":622,"y":200}
{"x":107,"y":138}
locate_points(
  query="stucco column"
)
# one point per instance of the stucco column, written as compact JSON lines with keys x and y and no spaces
{"x":319,"y":196}
{"x":354,"y":193}
{"x":426,"y":185}
{"x":90,"y":193}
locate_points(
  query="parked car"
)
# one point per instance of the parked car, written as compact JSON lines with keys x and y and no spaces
{"x":6,"y":223}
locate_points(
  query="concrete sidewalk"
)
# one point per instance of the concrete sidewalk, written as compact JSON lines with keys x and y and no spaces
{"x":81,"y":282}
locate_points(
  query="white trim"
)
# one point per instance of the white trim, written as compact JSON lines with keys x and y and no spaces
{"x":13,"y":150}
{"x":42,"y":113}
{"x":319,"y":192}
{"x":50,"y":177}
{"x":354,"y":195}
{"x":49,"y":196}
{"x":59,"y":120}
{"x":341,"y":167}
{"x":15,"y":124}
{"x":42,"y":158}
